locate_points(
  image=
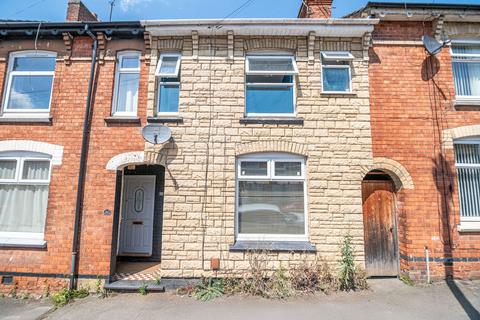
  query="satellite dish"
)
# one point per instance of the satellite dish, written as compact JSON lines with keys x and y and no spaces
{"x":432,"y":45}
{"x":156,"y":133}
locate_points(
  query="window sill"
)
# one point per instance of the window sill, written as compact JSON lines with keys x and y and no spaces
{"x":165,"y":119}
{"x":467,"y":104}
{"x":22,"y":243}
{"x":279,"y":246}
{"x":469,"y":226}
{"x":267,"y":120}
{"x":114,"y":120}
{"x":339,"y":93}
{"x":25,"y":120}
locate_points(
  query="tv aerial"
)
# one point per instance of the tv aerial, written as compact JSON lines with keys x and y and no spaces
{"x":433,"y":46}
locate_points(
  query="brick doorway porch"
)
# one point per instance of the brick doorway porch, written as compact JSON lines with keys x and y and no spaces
{"x":138,"y":222}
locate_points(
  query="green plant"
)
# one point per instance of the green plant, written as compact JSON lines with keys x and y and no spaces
{"x":46,"y":290}
{"x":65,"y":296}
{"x":143,"y":289}
{"x":350,"y":277}
{"x":279,"y":285}
{"x":98,"y":286}
{"x":209,"y":289}
{"x":407,"y":280}
{"x":13,"y":291}
{"x":158,"y":280}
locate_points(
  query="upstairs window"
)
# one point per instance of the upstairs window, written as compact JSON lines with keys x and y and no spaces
{"x":467,"y":160}
{"x":271,"y":197}
{"x":127,"y":78}
{"x":24,"y":183}
{"x":270,"y":85}
{"x":29,"y":82}
{"x":466,"y":69}
{"x":168,"y":74}
{"x":336,"y":72}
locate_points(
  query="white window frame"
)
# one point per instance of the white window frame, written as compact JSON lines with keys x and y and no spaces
{"x":271,"y":159}
{"x":333,"y":56}
{"x":464,"y":55}
{"x":11,"y":74}
{"x":159,"y":75}
{"x":267,"y":73}
{"x":119,"y":70}
{"x":177,"y":68}
{"x":24,"y":238}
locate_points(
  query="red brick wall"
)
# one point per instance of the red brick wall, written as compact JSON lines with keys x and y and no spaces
{"x":77,"y":11}
{"x":409,"y":110}
{"x":316,"y":9}
{"x":68,"y":109}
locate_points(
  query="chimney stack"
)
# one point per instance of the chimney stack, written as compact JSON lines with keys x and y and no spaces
{"x":77,"y":11}
{"x":321,"y":9}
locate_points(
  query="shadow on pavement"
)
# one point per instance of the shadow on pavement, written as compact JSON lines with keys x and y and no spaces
{"x":472,"y":313}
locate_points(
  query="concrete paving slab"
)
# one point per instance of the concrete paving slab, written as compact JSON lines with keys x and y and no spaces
{"x":17,"y":309}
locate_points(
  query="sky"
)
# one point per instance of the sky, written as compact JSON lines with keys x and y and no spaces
{"x":54,"y":10}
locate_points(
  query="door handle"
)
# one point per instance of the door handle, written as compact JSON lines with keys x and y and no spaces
{"x":137,"y":222}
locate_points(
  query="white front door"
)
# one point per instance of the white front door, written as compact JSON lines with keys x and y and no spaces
{"x":136,"y":224}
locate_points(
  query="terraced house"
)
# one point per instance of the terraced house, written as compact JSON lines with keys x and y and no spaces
{"x":172,"y":148}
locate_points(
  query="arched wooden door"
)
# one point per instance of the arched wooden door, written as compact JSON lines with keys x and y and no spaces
{"x":381,"y":257}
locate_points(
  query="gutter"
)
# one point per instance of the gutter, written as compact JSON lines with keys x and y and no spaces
{"x":83,"y":164}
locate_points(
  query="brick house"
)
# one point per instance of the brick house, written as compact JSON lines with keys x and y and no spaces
{"x":425,"y":131}
{"x":270,"y":145}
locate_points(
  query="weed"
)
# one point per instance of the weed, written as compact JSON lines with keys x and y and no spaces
{"x":13,"y":291}
{"x":65,"y":296}
{"x":46,"y":290}
{"x":143,"y":289}
{"x":407,"y":280}
{"x":158,"y":280}
{"x":187,"y":290}
{"x":350,"y":277}
{"x":314,"y":276}
{"x":98,"y":286}
{"x":209,"y":289}
{"x":26,"y":296}
{"x":279,"y":286}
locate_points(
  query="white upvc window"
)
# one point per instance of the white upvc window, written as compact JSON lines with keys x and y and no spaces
{"x":336,"y":72}
{"x":168,"y":91}
{"x":271,"y":202}
{"x":29,"y":83}
{"x":127,"y":79}
{"x":467,"y":162}
{"x":24,"y":186}
{"x":270,"y":86}
{"x":466,"y":69}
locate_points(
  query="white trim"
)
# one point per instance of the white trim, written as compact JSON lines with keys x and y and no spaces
{"x":55,"y":151}
{"x":11,"y":74}
{"x":157,"y":108}
{"x":119,"y":70}
{"x":177,"y":68}
{"x":474,"y":58}
{"x":22,"y":239}
{"x":337,"y":56}
{"x":270,"y":72}
{"x":469,"y":226}
{"x":124,"y":159}
{"x":271,"y":158}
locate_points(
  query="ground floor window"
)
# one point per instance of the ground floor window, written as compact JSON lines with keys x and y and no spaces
{"x":271,"y":197}
{"x":467,"y":159}
{"x":24,"y":184}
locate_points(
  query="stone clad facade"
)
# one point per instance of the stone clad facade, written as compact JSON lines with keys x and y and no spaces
{"x":334,"y":136}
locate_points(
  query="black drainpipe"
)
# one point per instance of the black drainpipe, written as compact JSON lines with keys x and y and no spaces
{"x":83,"y":164}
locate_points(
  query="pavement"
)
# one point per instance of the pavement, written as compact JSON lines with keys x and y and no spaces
{"x":387,"y":299}
{"x":28,"y":309}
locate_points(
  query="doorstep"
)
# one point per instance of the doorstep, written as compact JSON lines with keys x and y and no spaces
{"x":134,"y":285}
